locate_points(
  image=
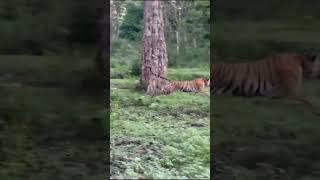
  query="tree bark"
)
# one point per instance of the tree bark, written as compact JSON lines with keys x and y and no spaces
{"x":154,"y":53}
{"x":178,"y":28}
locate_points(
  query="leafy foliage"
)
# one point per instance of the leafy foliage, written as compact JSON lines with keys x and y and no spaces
{"x":260,"y":10}
{"x":38,"y":27}
{"x":132,"y":25}
{"x":193,"y":27}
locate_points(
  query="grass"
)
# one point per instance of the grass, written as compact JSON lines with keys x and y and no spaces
{"x":258,"y":138}
{"x":164,"y":137}
{"x":48,"y":131}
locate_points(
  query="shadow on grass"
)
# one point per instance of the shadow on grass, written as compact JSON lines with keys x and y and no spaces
{"x":50,"y":129}
{"x":270,"y":139}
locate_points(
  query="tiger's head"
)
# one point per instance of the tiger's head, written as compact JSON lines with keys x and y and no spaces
{"x":202,"y":82}
{"x":311,"y":65}
{"x":206,"y":82}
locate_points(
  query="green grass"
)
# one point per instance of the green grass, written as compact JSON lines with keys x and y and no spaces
{"x":48,"y":131}
{"x":259,"y":138}
{"x":160,"y":137}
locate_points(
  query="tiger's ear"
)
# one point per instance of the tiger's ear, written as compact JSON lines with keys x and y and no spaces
{"x":310,"y":54}
{"x":313,"y":58}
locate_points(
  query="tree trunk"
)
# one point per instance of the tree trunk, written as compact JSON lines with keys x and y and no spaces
{"x":178,"y":29}
{"x":116,"y":8}
{"x":154,"y":54}
{"x":178,"y":42}
{"x":103,"y":54}
{"x":177,"y":9}
{"x":194,"y":40}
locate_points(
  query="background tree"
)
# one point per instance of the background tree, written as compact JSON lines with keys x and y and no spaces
{"x":154,"y":54}
{"x":118,"y":10}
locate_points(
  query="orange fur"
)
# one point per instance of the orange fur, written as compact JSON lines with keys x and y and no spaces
{"x":195,"y":85}
{"x":279,"y":75}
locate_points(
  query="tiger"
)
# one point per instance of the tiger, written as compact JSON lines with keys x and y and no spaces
{"x":276,"y":76}
{"x":195,"y":85}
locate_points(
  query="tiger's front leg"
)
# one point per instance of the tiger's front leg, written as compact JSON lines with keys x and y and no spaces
{"x":308,"y":104}
{"x":203,"y":93}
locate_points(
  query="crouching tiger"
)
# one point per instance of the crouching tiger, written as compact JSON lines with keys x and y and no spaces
{"x":276,"y":76}
{"x":195,"y":85}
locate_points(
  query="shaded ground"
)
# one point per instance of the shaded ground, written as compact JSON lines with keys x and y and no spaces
{"x":49,"y":130}
{"x":269,"y":139}
{"x":161,"y":137}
